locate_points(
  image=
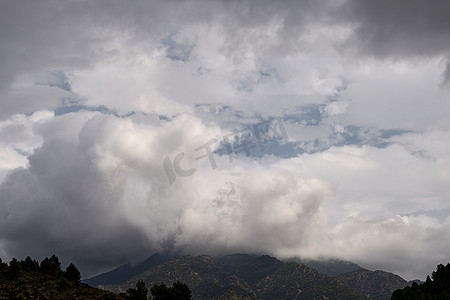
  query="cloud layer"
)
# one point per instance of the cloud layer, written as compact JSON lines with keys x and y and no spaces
{"x":100,"y":102}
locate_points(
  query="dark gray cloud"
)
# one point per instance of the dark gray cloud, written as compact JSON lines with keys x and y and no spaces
{"x":446,"y":74}
{"x":62,"y":205}
{"x":395,"y":29}
{"x":36,"y":36}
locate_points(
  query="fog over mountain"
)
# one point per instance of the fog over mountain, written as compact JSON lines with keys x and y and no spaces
{"x":290,"y":128}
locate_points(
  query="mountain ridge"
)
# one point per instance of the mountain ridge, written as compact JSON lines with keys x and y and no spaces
{"x":249,"y":276}
{"x":244,"y":276}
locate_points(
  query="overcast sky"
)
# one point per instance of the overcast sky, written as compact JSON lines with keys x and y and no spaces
{"x":290,"y":128}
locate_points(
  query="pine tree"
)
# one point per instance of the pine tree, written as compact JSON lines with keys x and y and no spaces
{"x":72,"y":273}
{"x":2,"y":265}
{"x":30,"y":264}
{"x":178,"y":291}
{"x":139,"y":293}
{"x":14,"y":269}
{"x":50,"y":266}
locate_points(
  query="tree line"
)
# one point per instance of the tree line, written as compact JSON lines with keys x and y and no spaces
{"x":49,"y":266}
{"x":178,"y":291}
{"x":436,"y":287}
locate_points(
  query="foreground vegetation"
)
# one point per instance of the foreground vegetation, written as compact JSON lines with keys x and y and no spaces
{"x":28,"y":279}
{"x":178,"y":291}
{"x":436,"y":287}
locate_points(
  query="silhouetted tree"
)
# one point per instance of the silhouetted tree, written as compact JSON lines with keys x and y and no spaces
{"x":160,"y":292}
{"x":72,"y":273}
{"x":2,"y":265}
{"x":181,"y":291}
{"x":29,"y":264}
{"x":139,"y":293}
{"x":50,"y":266}
{"x":178,"y":291}
{"x":14,"y":269}
{"x":436,"y":287}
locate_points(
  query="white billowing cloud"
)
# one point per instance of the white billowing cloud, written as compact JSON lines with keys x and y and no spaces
{"x":383,"y":212}
{"x":18,"y":139}
{"x":10,"y":159}
{"x":346,"y":202}
{"x":253,"y":208}
{"x":378,"y":182}
{"x":113,"y":168}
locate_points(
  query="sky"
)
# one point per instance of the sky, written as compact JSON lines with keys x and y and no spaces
{"x":290,"y":128}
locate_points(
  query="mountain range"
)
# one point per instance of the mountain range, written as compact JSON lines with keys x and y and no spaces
{"x":244,"y":276}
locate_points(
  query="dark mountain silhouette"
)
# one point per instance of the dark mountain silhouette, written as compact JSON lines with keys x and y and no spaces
{"x":244,"y":276}
{"x":241,"y":276}
{"x":127,"y":271}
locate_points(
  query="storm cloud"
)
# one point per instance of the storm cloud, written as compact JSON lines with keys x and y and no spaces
{"x":100,"y":100}
{"x":398,"y":29}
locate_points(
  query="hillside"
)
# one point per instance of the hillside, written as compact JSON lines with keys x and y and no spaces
{"x":331,"y":267}
{"x":377,"y":285}
{"x":33,"y":284}
{"x":244,"y":277}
